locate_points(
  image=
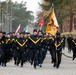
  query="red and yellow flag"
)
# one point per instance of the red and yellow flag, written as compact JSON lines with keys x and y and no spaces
{"x":52,"y":26}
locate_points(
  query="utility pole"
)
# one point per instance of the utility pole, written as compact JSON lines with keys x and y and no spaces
{"x":11,"y":18}
{"x":7,"y":18}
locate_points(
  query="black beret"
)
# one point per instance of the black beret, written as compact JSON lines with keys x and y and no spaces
{"x":4,"y":32}
{"x":35,"y":30}
{"x":40,"y":31}
{"x":8,"y":33}
{"x":28,"y":32}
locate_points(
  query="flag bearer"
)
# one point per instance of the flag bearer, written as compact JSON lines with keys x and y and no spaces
{"x":59,"y":46}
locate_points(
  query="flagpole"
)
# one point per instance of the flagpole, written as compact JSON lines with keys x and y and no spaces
{"x":41,"y":27}
{"x":49,"y":11}
{"x":47,"y":14}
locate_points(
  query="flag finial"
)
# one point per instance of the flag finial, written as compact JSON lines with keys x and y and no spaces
{"x":52,"y":5}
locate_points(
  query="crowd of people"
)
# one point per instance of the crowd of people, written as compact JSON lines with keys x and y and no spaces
{"x":23,"y":47}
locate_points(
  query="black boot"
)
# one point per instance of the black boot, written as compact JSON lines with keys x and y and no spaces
{"x":21,"y":65}
{"x":15,"y":63}
{"x":54,"y":65}
{"x":5,"y":64}
{"x":35,"y":66}
{"x":31,"y":62}
{"x":57,"y":66}
{"x":73,"y":58}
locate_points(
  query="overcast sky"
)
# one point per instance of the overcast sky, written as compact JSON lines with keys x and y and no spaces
{"x":31,"y":4}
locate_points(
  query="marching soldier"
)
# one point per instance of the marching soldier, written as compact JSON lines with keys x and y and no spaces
{"x":69,"y":41}
{"x":52,"y":48}
{"x":1,"y":50}
{"x":73,"y":45}
{"x":15,"y":48}
{"x":64,"y":41}
{"x":21,"y":45}
{"x":59,"y":46}
{"x":7,"y":48}
{"x":13,"y":38}
{"x":28,"y":49}
{"x":34,"y":41}
{"x":5,"y":58}
{"x":45,"y":46}
{"x":9,"y":45}
{"x":42,"y":49}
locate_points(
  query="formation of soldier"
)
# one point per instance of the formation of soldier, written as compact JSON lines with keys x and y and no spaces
{"x":25,"y":47}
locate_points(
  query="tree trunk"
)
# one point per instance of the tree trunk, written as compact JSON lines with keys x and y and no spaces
{"x":71,"y":21}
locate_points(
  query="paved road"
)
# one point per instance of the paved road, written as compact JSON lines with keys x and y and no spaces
{"x":67,"y":67}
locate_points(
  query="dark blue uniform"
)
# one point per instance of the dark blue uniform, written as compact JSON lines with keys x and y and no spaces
{"x":21,"y":45}
{"x":74,"y":48}
{"x":2,"y":62}
{"x":34,"y":42}
{"x":69,"y":41}
{"x":52,"y":49}
{"x":59,"y":45}
{"x":64,"y":42}
{"x":42,"y":50}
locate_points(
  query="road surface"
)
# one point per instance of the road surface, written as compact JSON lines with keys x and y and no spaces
{"x":67,"y":67}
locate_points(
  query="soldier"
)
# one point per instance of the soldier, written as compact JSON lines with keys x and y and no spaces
{"x":15,"y":48}
{"x":13,"y":38}
{"x":28,"y":49}
{"x":69,"y":41}
{"x":4,"y":60}
{"x":21,"y":44}
{"x":52,"y":48}
{"x":59,"y":46}
{"x":64,"y":41}
{"x":9,"y":47}
{"x":34,"y":41}
{"x":46,"y":45}
{"x":2,"y":45}
{"x":73,"y":45}
{"x":42,"y":50}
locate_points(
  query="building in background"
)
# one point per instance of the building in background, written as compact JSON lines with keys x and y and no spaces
{"x":66,"y":25}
